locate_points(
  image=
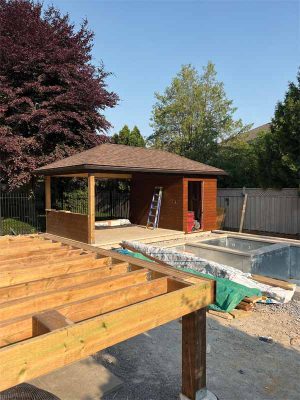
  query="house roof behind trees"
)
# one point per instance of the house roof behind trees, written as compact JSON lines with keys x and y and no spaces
{"x":253,"y":133}
{"x":114,"y":157}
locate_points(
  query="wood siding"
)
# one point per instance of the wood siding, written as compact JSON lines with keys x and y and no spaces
{"x":174,"y":201}
{"x":209,"y":202}
{"x":69,"y":225}
{"x":142,"y":187}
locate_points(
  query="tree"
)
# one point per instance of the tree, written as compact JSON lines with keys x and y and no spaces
{"x":239,"y":159}
{"x":193,"y":115}
{"x":52,"y":97}
{"x":279,"y":156}
{"x":129,"y":138}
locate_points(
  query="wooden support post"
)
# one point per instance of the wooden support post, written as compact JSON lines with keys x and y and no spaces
{"x":243,"y":212}
{"x":91,"y":209}
{"x":48,"y":321}
{"x":48,"y":192}
{"x":194,"y":354}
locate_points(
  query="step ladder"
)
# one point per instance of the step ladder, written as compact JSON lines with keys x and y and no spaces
{"x":154,"y":212}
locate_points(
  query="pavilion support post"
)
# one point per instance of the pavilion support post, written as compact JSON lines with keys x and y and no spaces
{"x":91,"y":209}
{"x":48,"y":192}
{"x":194,"y":357}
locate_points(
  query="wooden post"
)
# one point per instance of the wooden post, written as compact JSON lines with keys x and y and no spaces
{"x":243,"y":212}
{"x":194,"y":354}
{"x":91,"y":208}
{"x":48,"y":192}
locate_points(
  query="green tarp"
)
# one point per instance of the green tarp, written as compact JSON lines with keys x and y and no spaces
{"x":228,"y":294}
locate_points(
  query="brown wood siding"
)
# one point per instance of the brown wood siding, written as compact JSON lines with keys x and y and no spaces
{"x":209,"y":202}
{"x":142,"y":187}
{"x":69,"y":225}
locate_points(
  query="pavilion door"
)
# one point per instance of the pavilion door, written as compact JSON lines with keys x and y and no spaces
{"x":195,"y":202}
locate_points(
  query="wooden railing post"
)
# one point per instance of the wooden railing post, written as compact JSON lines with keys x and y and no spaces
{"x":91,"y":209}
{"x":194,"y":357}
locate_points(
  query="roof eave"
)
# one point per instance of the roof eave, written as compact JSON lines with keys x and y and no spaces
{"x":90,"y":168}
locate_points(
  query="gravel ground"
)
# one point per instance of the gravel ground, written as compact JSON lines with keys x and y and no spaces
{"x":239,"y":365}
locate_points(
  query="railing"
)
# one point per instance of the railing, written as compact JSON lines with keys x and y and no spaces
{"x":23,"y":212}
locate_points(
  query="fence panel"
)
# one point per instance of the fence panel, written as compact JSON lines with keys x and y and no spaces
{"x":274,"y":211}
{"x":18,"y":213}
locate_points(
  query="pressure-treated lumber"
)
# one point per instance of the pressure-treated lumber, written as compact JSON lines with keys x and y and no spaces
{"x":274,"y":282}
{"x":20,"y":328}
{"x":50,"y":255}
{"x":220,"y":314}
{"x":48,"y":321}
{"x":12,"y":251}
{"x":48,"y":251}
{"x":193,"y":353}
{"x":53,"y":299}
{"x":31,"y":288}
{"x":31,"y":358}
{"x":11,"y":276}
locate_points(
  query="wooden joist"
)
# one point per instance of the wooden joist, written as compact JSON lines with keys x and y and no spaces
{"x":24,"y":361}
{"x":48,"y":321}
{"x":61,"y":301}
{"x":13,"y":276}
{"x":26,"y":289}
{"x":55,"y":298}
{"x":20,"y":328}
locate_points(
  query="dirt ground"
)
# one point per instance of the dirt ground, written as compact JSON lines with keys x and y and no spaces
{"x":240,"y":366}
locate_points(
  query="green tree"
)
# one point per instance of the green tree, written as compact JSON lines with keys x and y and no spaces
{"x":279,"y":150}
{"x":129,"y":138}
{"x":239,"y":159}
{"x":193,"y":115}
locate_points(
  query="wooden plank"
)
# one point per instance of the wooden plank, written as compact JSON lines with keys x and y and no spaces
{"x":48,"y":192}
{"x":220,"y":314}
{"x":274,"y":282}
{"x":28,"y":253}
{"x":252,"y":299}
{"x":20,"y":328}
{"x":56,"y":298}
{"x":193,"y":353}
{"x":37,"y":257}
{"x":48,"y":321}
{"x":67,"y":224}
{"x":18,"y":238}
{"x":23,"y":250}
{"x":91,"y":209}
{"x":237,"y":314}
{"x":244,"y":306}
{"x":243,"y":212}
{"x":10,"y":276}
{"x":41,"y":355}
{"x":32,"y":288}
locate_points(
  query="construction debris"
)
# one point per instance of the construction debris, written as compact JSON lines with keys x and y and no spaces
{"x":199,"y":265}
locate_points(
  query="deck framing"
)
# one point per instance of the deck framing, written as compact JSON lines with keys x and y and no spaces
{"x":61,"y":301}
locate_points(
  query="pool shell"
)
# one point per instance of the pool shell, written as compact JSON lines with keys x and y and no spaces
{"x":272,"y":258}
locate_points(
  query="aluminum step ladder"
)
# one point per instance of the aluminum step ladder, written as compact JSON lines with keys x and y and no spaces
{"x":154,"y":212}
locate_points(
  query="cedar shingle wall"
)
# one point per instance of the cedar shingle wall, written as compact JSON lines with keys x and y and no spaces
{"x":142,"y":187}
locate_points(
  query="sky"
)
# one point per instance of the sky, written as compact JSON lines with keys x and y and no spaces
{"x":255,"y":46}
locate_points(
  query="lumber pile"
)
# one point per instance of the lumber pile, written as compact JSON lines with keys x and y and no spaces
{"x":242,"y":310}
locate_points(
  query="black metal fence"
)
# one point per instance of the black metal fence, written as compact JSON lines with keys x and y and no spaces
{"x":23,"y":212}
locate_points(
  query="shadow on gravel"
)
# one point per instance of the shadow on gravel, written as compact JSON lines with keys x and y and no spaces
{"x":240,"y":367}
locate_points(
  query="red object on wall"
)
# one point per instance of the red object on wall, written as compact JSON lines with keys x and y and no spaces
{"x":190,"y":220}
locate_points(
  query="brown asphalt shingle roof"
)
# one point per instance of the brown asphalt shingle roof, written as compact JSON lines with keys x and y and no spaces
{"x":117,"y":157}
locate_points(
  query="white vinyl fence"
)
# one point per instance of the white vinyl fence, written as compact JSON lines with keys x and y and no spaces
{"x":274,"y":211}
